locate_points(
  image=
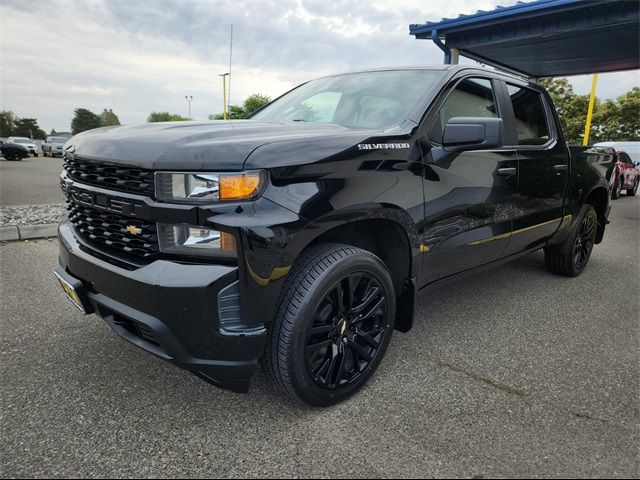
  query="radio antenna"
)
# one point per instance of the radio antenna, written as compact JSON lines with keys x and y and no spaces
{"x":230,"y":58}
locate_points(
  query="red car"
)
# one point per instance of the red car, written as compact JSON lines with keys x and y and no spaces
{"x":626,"y":177}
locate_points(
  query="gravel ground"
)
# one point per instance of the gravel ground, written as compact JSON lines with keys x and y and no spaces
{"x":31,"y":214}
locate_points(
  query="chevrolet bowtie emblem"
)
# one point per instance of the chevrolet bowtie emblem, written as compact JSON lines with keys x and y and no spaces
{"x":133,"y":230}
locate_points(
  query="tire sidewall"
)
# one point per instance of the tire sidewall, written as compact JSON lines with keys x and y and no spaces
{"x":584,"y":212}
{"x":306,"y":387}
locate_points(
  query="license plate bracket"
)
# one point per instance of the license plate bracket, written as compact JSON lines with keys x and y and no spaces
{"x":74,"y":290}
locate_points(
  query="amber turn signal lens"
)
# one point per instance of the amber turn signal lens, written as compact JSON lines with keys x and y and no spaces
{"x":239,"y":187}
{"x":227,"y":242}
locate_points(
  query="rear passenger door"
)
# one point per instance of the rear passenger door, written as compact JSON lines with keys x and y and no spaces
{"x":543,"y":167}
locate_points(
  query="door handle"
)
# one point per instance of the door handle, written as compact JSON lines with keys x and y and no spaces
{"x":507,"y":172}
{"x":563,"y":167}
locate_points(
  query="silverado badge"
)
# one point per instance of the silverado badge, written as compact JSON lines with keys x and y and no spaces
{"x":133,"y":230}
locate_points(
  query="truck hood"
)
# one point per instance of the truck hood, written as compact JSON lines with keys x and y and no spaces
{"x":223,"y":145}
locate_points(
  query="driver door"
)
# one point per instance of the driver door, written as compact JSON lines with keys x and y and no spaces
{"x":469,"y":195}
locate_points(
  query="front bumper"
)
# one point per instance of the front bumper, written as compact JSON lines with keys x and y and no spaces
{"x":169,"y":309}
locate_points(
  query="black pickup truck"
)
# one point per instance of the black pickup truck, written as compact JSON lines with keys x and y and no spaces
{"x":301,"y":237}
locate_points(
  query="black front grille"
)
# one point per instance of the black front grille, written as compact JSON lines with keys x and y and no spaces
{"x":110,"y":176}
{"x":113,"y":231}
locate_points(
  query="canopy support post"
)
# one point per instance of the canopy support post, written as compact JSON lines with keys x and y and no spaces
{"x":592,"y":101}
{"x":455,"y":56}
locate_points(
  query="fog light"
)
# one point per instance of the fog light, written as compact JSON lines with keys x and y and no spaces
{"x":194,"y":240}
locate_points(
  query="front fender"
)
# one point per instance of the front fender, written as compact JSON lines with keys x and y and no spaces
{"x":272,"y":237}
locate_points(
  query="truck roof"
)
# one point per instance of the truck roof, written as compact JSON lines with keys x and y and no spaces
{"x":451,"y":69}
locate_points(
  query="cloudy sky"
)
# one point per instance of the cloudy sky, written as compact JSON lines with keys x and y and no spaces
{"x":138,"y":56}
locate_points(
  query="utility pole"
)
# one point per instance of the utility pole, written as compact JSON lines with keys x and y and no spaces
{"x":188,"y":98}
{"x":224,"y":94}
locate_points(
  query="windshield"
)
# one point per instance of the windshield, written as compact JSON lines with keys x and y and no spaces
{"x":357,"y":100}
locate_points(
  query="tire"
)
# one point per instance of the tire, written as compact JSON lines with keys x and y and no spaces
{"x":316,"y":352}
{"x":17,"y":157}
{"x":617,"y":189}
{"x":632,"y":191}
{"x":570,"y":257}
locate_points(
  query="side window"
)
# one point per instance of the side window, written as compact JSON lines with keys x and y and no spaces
{"x":531,"y":120}
{"x":624,"y":158}
{"x":473,"y":97}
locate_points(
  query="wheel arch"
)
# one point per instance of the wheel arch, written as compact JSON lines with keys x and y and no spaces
{"x":388,"y":239}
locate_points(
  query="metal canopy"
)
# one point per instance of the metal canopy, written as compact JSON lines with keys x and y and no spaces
{"x":546,"y":38}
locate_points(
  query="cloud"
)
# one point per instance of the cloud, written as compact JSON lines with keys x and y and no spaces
{"x":139,"y":56}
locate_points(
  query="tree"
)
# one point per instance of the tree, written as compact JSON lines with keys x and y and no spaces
{"x":251,"y":104}
{"x":613,"y":120}
{"x":255,"y":102}
{"x":623,"y":121}
{"x":84,"y":120}
{"x":107,"y":118}
{"x":165,"y":117}
{"x":28,"y":127}
{"x":7,"y":122}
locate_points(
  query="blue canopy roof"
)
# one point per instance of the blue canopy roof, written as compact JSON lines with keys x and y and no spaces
{"x":545,"y":38}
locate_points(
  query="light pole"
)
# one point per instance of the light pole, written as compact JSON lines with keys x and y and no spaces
{"x":224,"y":94}
{"x":188,"y":98}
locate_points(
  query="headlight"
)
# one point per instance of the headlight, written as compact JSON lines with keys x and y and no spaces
{"x":207,"y":187}
{"x":194,"y":240}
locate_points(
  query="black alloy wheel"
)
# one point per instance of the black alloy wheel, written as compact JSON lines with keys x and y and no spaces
{"x":333,"y":325}
{"x":584,"y":241}
{"x":347,"y":331}
{"x":570,"y":257}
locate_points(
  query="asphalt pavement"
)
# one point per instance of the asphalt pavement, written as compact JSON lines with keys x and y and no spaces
{"x":32,"y":181}
{"x":513,"y":373}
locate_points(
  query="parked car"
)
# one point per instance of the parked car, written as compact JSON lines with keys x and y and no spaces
{"x":627,"y":176}
{"x":13,"y":151}
{"x":301,"y":237}
{"x":27,"y":143}
{"x":627,"y":173}
{"x":53,"y":146}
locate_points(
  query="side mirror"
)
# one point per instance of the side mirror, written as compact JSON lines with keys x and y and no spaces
{"x":472,"y":133}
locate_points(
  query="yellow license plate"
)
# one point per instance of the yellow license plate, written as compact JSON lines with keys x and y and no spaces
{"x":70,"y":292}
